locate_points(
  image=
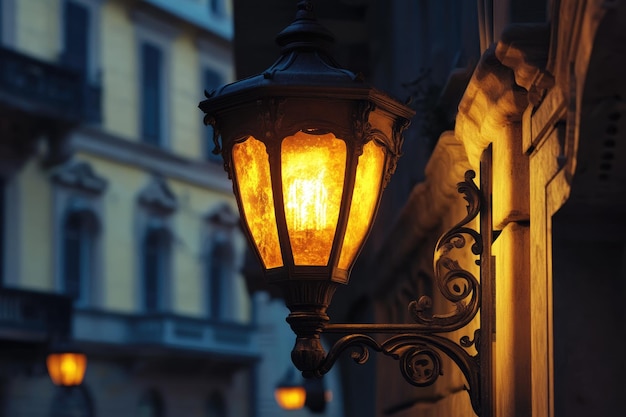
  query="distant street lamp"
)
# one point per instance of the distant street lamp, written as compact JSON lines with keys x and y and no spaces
{"x":289,"y":393}
{"x":66,"y":365}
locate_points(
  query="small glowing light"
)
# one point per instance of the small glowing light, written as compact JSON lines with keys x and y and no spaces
{"x":307,"y":204}
{"x":290,"y":397}
{"x":328,"y":396}
{"x":66,"y":369}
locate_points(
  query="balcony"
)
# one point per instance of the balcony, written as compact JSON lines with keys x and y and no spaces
{"x":38,"y":97}
{"x":29,"y":316}
{"x":215,"y":340}
{"x":38,"y":88}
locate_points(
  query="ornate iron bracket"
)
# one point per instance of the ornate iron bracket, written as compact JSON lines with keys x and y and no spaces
{"x":418,"y":346}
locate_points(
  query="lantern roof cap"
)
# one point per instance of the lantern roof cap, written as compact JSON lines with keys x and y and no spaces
{"x":305,"y":68}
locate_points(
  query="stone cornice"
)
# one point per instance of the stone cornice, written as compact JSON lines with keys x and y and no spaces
{"x":492,"y":101}
{"x":509,"y":77}
{"x":150,"y":158}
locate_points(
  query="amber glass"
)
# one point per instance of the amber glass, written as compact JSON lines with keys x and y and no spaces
{"x":313,"y":168}
{"x":66,"y":369}
{"x":290,"y":398}
{"x":369,"y":174}
{"x":252,"y":173}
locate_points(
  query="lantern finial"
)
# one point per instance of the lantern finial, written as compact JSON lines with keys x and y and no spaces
{"x":305,"y":32}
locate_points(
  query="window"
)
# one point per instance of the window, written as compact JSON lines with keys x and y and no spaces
{"x":7,"y":22}
{"x":220,"y":270}
{"x":151,"y":405}
{"x":151,"y":94}
{"x":81,"y":51}
{"x":156,"y":204}
{"x":216,"y":406}
{"x":79,"y":234}
{"x":211,"y":80}
{"x":155,"y":260}
{"x":78,"y":214}
{"x":76,"y":36}
{"x":220,"y":261}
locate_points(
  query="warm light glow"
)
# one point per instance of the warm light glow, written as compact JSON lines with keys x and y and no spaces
{"x":290,"y":398}
{"x":252,"y":171}
{"x":67,"y":369}
{"x":369,"y":174}
{"x":307,"y":201}
{"x":313,"y":168}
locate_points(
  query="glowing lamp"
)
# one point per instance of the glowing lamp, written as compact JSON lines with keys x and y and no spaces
{"x":66,"y":368}
{"x":290,"y":397}
{"x":309,"y":147}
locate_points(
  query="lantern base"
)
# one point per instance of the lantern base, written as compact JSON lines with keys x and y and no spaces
{"x":308,"y":301}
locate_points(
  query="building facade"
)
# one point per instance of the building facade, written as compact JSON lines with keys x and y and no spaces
{"x":119,"y":229}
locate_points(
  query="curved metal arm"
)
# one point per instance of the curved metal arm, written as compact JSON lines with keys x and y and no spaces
{"x":417,"y":346}
{"x":418,"y":357}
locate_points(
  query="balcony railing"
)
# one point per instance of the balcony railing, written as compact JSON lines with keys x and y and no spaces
{"x":33,"y":316}
{"x":211,"y":337}
{"x":44,"y":89}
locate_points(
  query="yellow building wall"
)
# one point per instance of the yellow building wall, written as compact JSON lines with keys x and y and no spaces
{"x":120,"y":102}
{"x":35,"y":228}
{"x":186,"y":93}
{"x":38,"y":28}
{"x":119,"y":245}
{"x":189,"y":228}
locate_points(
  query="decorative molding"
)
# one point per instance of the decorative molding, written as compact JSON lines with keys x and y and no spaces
{"x":491,"y":103}
{"x":149,"y":21}
{"x":204,"y":174}
{"x":224,"y":216}
{"x":79,"y":175}
{"x":524,"y":48}
{"x":158,"y":196}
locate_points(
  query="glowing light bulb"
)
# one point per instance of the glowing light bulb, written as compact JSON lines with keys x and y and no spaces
{"x":307,"y":202}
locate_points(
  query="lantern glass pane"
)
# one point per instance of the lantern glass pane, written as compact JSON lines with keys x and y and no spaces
{"x":66,"y":369}
{"x":313,"y":168}
{"x":365,"y":197}
{"x":252,"y":175}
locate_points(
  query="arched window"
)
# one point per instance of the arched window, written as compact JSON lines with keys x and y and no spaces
{"x":155,"y":265}
{"x":219,"y":271}
{"x":151,"y":405}
{"x":216,"y":406}
{"x":79,"y":233}
{"x":71,"y":402}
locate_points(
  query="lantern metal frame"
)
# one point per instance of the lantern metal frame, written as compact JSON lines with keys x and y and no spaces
{"x":307,"y":89}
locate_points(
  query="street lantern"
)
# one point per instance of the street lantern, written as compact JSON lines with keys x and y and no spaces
{"x":289,"y":394}
{"x":66,"y":365}
{"x":309,"y":147}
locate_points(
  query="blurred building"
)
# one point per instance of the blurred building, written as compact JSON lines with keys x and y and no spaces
{"x":118,"y":227}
